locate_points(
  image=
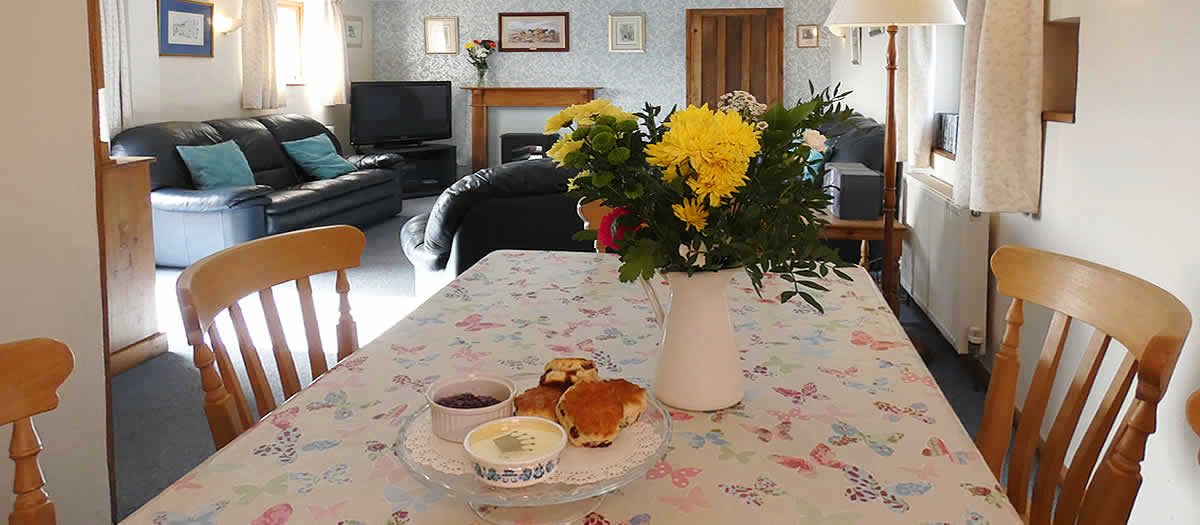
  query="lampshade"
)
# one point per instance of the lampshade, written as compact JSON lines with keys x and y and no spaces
{"x":847,"y":13}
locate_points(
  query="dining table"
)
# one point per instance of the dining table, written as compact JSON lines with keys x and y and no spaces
{"x":841,"y":421}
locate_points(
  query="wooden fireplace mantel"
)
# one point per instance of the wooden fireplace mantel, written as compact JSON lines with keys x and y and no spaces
{"x":483,"y":98}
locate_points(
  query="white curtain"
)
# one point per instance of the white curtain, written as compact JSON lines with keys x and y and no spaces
{"x":116,"y":102}
{"x":921,"y":81}
{"x":329,"y":59}
{"x":261,"y":86}
{"x":1000,"y":127}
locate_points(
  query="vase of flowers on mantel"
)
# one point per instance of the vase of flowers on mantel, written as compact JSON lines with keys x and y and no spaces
{"x":701,"y":197}
{"x":478,"y":52}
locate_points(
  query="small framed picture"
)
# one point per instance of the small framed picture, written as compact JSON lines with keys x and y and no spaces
{"x":808,"y":35}
{"x":535,"y":31}
{"x":441,"y":35}
{"x":354,"y":31}
{"x":855,"y":37}
{"x":185,"y":28}
{"x":627,"y":33}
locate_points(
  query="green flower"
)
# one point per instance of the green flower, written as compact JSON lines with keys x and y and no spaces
{"x":580,"y":133}
{"x":606,"y":120}
{"x":604,"y":142}
{"x":599,"y":129}
{"x":576,"y":159}
{"x":625,"y":126}
{"x":619,"y":155}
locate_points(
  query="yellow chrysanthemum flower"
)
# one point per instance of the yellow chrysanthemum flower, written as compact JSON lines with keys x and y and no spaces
{"x":559,"y":121}
{"x":469,"y":45}
{"x":561,"y":148}
{"x":692,"y":213}
{"x":572,"y":185}
{"x":716,"y":146}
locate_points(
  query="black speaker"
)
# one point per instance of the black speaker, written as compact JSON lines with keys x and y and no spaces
{"x":860,"y":197}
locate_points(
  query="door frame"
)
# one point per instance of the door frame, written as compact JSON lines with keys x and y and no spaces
{"x":694,"y":49}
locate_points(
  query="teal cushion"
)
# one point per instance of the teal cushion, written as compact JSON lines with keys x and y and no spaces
{"x":317,"y":157}
{"x":218,"y":166}
{"x":816,"y":161}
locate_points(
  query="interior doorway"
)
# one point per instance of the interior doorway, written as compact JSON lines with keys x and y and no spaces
{"x":734,"y":49}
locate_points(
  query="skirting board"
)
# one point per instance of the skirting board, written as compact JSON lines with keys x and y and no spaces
{"x":136,"y":353}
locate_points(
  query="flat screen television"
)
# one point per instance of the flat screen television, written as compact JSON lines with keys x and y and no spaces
{"x":399,"y":112}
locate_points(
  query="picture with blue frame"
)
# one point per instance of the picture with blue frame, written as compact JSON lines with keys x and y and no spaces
{"x":185,"y":28}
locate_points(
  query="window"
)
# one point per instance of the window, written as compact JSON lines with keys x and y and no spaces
{"x":288,"y":42}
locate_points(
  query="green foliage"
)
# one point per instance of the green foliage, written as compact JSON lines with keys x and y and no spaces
{"x":771,"y":225}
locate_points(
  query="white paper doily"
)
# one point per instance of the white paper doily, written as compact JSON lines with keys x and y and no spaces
{"x":576,"y":465}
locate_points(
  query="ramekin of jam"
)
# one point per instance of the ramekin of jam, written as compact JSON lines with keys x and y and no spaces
{"x":461,"y":403}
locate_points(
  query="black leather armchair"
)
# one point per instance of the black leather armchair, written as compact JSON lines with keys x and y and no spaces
{"x":190,"y":223}
{"x":519,"y":205}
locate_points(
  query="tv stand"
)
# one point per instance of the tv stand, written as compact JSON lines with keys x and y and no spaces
{"x":435,"y":166}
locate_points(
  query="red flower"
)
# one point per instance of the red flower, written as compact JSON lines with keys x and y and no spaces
{"x":476,"y":41}
{"x":606,"y":236}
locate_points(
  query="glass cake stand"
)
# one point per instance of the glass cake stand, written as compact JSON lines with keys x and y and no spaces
{"x":545,"y":502}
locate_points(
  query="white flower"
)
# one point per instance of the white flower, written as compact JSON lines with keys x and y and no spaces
{"x":814,"y":140}
{"x":761,"y":126}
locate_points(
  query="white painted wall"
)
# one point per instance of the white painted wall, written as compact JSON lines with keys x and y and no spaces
{"x":1119,"y":189}
{"x":50,"y":264}
{"x":191,"y":88}
{"x":868,"y":80}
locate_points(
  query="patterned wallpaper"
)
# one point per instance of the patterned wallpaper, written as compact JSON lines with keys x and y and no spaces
{"x":629,"y":79}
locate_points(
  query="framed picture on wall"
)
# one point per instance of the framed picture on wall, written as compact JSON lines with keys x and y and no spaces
{"x":808,"y":35}
{"x":535,"y":32}
{"x":185,"y":28}
{"x":354,"y":31}
{"x":441,"y":35}
{"x":626,"y":33}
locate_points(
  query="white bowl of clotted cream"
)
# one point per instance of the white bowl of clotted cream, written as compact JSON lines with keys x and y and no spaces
{"x":515,"y":451}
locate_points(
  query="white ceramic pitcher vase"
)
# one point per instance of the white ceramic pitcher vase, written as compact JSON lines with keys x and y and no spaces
{"x":698,"y":366}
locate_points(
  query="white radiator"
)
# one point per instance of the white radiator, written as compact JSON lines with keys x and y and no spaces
{"x":945,"y":261}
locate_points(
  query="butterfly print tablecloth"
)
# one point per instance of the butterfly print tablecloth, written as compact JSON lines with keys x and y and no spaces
{"x":841,"y":422}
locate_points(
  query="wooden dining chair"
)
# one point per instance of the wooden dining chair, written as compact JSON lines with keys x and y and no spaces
{"x":30,"y":373}
{"x":1149,"y":322}
{"x":1193,"y":411}
{"x":593,"y":213}
{"x":216,"y":283}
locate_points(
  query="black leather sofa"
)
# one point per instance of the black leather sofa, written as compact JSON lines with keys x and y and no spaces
{"x":520,"y":205}
{"x":859,"y":139}
{"x":190,"y":224}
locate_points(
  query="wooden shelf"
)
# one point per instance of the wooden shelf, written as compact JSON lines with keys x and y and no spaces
{"x":1059,"y":116}
{"x":943,"y":153}
{"x":1061,"y":70}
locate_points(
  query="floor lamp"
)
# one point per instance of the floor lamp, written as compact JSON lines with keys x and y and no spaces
{"x":891,"y":14}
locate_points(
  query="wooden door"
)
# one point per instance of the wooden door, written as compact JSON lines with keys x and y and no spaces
{"x":734,"y":49}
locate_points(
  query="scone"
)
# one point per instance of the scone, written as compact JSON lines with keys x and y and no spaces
{"x":568,"y":371}
{"x":539,"y":401}
{"x":593,"y":412}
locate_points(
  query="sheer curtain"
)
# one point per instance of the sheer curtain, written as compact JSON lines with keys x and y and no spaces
{"x":1000,"y":127}
{"x":329,"y":58}
{"x":116,"y":103}
{"x":261,"y":86}
{"x":921,"y":85}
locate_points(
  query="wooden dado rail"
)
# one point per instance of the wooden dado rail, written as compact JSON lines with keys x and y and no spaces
{"x":483,"y":98}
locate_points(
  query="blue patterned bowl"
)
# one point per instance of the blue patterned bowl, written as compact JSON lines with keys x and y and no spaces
{"x":528,"y":469}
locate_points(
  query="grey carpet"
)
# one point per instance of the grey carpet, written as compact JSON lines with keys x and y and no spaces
{"x":160,"y":430}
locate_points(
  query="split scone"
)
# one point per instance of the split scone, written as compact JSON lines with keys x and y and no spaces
{"x":567,"y":371}
{"x":593,"y":412}
{"x":539,"y":401}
